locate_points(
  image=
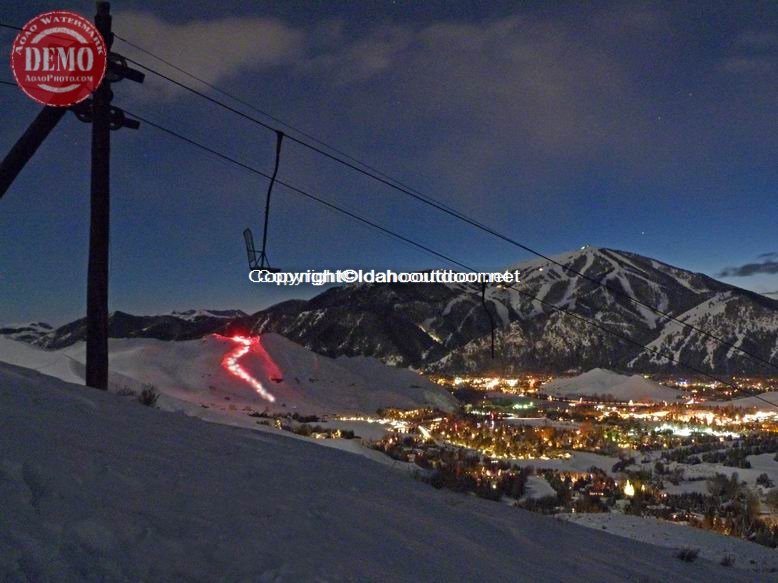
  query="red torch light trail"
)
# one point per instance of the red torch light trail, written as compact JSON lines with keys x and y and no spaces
{"x":230,"y":363}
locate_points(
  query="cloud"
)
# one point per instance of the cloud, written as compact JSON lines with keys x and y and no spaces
{"x":769,"y":266}
{"x":752,"y":64}
{"x":214,"y":50}
{"x":528,"y":100}
{"x":753,"y":52}
{"x":517,"y":95}
{"x":757,"y":40}
{"x":363,"y":59}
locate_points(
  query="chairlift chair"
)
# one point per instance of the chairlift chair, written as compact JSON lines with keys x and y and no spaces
{"x":259,"y":259}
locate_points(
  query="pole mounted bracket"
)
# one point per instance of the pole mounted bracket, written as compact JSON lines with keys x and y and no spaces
{"x":118,"y":119}
{"x":119,"y":70}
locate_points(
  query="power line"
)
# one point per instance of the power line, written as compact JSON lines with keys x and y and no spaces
{"x":397,"y":185}
{"x":427,"y":249}
{"x":435,"y":204}
{"x":251,"y":106}
{"x":299,"y":191}
{"x":270,"y":116}
{"x":400,"y":187}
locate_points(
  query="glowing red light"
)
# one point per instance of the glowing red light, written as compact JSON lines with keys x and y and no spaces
{"x":230,"y":363}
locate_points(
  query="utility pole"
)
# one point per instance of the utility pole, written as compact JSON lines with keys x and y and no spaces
{"x":97,"y":277}
{"x":104,"y":118}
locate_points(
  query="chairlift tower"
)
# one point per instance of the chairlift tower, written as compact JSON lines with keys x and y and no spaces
{"x":104,"y":117}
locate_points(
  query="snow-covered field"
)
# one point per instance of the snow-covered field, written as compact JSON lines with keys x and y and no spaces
{"x":704,"y":470}
{"x":97,"y":487}
{"x":764,"y":463}
{"x":711,"y":545}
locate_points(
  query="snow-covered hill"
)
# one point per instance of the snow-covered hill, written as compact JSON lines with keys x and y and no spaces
{"x":764,"y":402}
{"x":96,"y":487}
{"x":608,"y":384}
{"x":282,"y":376}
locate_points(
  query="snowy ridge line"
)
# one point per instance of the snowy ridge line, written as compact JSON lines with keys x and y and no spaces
{"x":603,"y":283}
{"x":627,"y":338}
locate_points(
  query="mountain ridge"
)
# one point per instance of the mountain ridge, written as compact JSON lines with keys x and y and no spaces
{"x":444,"y":327}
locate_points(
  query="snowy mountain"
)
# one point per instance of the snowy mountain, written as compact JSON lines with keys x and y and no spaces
{"x":200,"y":315}
{"x":185,"y":325}
{"x":100,"y":488}
{"x":608,"y":384}
{"x":30,"y":332}
{"x":268,"y":373}
{"x":445,"y":327}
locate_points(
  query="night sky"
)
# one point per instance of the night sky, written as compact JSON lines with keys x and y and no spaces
{"x":646,"y":127}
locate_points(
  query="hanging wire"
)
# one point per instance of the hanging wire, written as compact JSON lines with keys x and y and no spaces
{"x":590,"y":321}
{"x":488,"y":314}
{"x":397,"y":185}
{"x":429,"y":201}
{"x":264,"y":261}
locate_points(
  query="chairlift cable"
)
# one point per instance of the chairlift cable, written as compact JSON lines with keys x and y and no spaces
{"x":462,"y":217}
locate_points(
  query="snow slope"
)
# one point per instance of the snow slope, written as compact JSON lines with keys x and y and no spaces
{"x":58,"y":364}
{"x":712,"y":546}
{"x":192,"y":372}
{"x":605,"y":383}
{"x":96,"y":487}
